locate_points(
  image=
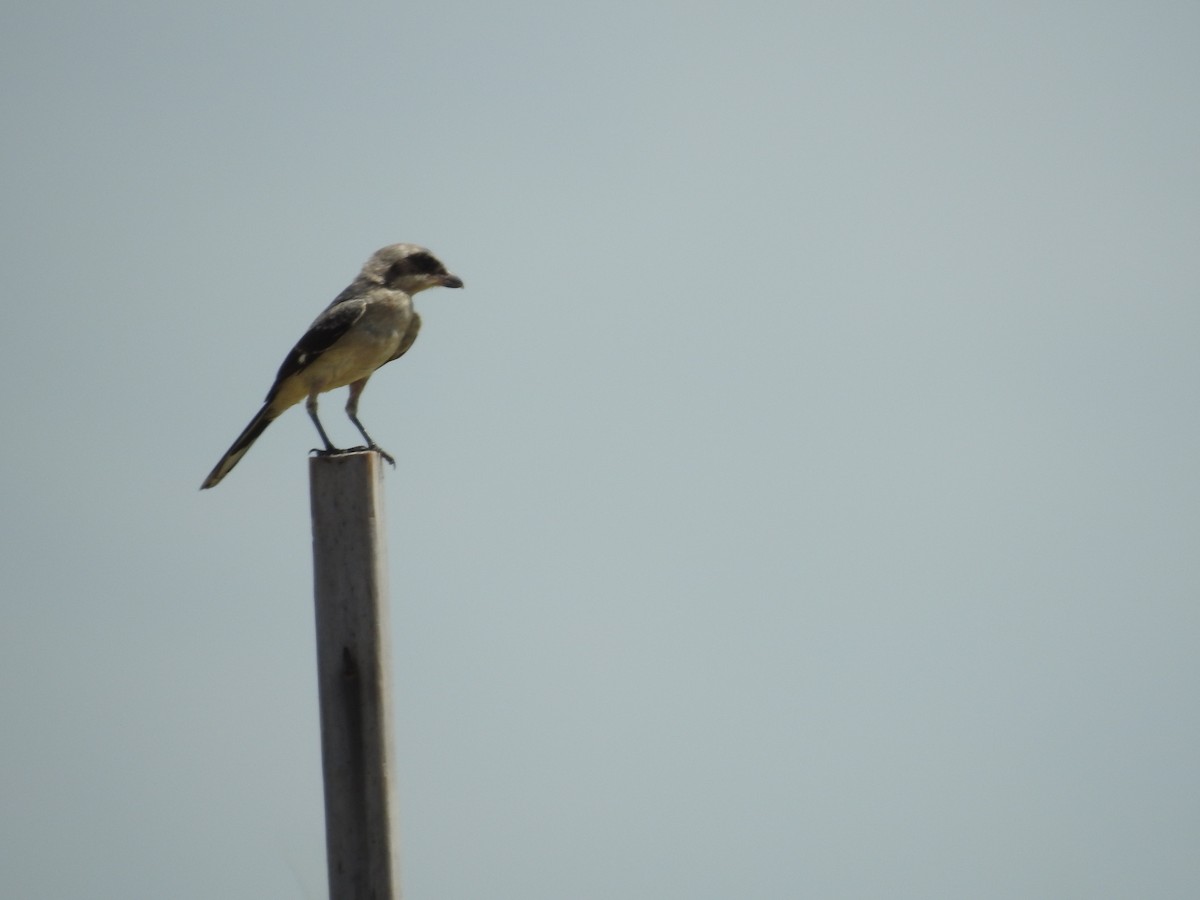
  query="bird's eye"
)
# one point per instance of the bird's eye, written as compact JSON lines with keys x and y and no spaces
{"x":417,"y":264}
{"x":424,"y":264}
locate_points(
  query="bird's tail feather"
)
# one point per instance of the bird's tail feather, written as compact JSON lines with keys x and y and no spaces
{"x":244,"y":440}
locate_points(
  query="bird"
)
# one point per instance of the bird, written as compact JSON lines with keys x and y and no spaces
{"x":369,"y":324}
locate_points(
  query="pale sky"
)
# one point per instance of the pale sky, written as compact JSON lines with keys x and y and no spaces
{"x":800,"y":501}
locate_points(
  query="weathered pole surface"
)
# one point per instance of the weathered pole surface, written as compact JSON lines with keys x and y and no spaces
{"x":354,"y":674}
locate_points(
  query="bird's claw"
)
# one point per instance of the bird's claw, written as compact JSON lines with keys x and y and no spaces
{"x":342,"y":451}
{"x":391,"y":462}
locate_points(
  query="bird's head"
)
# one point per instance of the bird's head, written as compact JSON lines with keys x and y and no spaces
{"x":408,"y":268}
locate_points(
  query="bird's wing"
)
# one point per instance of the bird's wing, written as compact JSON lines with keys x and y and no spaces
{"x":326,"y":331}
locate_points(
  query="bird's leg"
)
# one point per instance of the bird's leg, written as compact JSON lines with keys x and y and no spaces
{"x":311,"y":406}
{"x":352,"y":411}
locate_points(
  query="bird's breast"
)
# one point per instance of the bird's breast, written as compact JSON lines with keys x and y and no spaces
{"x":373,"y":340}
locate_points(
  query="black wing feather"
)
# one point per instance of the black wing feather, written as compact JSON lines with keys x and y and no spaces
{"x":326,"y":331}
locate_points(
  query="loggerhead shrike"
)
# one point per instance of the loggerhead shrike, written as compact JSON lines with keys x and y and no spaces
{"x":368,"y":325}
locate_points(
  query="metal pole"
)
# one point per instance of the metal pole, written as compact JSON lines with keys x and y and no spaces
{"x":353,"y":671}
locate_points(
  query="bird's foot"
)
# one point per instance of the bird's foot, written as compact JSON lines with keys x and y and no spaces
{"x":342,"y":451}
{"x":373,"y":446}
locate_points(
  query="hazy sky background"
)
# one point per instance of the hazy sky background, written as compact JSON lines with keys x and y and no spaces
{"x":801,"y":500}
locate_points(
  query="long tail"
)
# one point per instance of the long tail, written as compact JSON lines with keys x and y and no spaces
{"x":256,"y":427}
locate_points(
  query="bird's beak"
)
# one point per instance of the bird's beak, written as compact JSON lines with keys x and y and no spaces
{"x":450,"y":281}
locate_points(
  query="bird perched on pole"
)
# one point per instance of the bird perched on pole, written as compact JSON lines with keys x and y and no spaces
{"x":368,"y":325}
